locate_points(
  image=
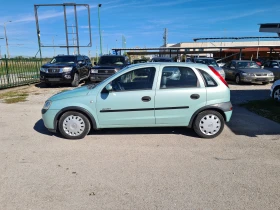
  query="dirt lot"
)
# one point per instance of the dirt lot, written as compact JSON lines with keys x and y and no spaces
{"x":143,"y":168}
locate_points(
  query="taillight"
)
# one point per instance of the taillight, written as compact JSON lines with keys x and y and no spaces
{"x":218,"y":75}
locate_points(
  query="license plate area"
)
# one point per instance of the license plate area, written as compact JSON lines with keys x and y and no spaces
{"x":53,"y":79}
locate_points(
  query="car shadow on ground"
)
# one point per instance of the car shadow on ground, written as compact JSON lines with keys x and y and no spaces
{"x":40,"y":128}
{"x":243,"y":96}
{"x":149,"y":131}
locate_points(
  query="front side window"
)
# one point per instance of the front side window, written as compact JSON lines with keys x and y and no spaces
{"x":274,"y":63}
{"x":178,"y":77}
{"x":139,"y":79}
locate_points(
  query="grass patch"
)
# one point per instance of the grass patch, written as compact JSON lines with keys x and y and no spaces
{"x":13,"y":97}
{"x":268,"y":108}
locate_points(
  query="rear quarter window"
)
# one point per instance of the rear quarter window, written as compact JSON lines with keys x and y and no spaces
{"x":208,"y":80}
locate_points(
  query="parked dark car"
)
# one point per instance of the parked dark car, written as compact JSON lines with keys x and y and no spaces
{"x":273,"y":66}
{"x":161,"y":59}
{"x":139,"y":61}
{"x":66,"y":69}
{"x":247,"y":71}
{"x":107,"y":66}
{"x":210,"y":62}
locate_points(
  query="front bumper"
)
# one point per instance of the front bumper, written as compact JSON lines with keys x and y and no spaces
{"x":48,"y":117}
{"x":257,"y":79}
{"x":95,"y":77}
{"x":56,"y":77}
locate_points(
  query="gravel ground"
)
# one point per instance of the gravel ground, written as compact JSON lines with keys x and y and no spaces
{"x":143,"y":168}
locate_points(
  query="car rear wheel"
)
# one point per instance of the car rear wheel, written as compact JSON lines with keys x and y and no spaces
{"x":73,"y":125}
{"x":209,"y":124}
{"x":237,"y":79}
{"x":276,"y":93}
{"x":76,"y":80}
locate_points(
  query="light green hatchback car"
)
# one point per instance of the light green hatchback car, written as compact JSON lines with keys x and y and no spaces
{"x":144,"y":95}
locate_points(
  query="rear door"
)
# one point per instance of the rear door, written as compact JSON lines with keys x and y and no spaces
{"x":179,"y":94}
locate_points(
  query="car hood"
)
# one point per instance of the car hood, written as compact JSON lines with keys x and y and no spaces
{"x":217,"y":68}
{"x":255,"y":71}
{"x":80,"y":91}
{"x":58,"y":65}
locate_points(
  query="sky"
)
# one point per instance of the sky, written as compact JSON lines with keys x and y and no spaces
{"x":140,"y":22}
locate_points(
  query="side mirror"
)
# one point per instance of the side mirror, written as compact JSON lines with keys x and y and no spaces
{"x":94,"y":63}
{"x":262,"y":67}
{"x":109,"y":87}
{"x":81,"y":62}
{"x":232,"y":67}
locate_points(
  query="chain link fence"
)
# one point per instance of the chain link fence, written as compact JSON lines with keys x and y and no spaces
{"x":17,"y":72}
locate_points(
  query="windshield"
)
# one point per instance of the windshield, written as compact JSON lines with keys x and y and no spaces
{"x":247,"y":65}
{"x":208,"y":62}
{"x":111,"y":60}
{"x":63,"y":59}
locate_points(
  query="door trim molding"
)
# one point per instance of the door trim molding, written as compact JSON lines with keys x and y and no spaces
{"x":145,"y":109}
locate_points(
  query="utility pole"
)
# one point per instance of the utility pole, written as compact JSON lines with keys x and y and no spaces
{"x":6,"y":37}
{"x":99,"y":5}
{"x":53,"y":46}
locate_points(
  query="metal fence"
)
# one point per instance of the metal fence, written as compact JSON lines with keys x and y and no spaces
{"x":16,"y":72}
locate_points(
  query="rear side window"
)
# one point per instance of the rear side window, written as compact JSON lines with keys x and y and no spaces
{"x":208,"y":80}
{"x":178,"y":77}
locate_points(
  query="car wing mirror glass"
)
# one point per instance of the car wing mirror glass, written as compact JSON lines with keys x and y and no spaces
{"x":109,"y":87}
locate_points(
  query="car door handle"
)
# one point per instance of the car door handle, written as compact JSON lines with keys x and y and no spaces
{"x":195,"y":96}
{"x":146,"y":98}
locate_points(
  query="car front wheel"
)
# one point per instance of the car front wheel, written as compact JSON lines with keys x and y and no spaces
{"x":209,"y":124}
{"x":237,"y":79}
{"x":276,"y":93}
{"x":76,"y":80}
{"x":73,"y":125}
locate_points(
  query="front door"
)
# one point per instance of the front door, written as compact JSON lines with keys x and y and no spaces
{"x":131,"y":101}
{"x":178,"y":96}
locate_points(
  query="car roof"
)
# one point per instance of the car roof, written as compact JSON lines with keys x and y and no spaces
{"x":174,"y":64}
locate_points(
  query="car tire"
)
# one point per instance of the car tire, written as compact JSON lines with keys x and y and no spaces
{"x":276,"y":93}
{"x":214,"y":122}
{"x":237,"y":79}
{"x":76,"y":80}
{"x":73,"y":125}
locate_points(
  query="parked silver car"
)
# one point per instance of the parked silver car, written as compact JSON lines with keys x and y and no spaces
{"x":273,"y":66}
{"x":210,"y":62}
{"x":275,"y":90}
{"x":247,"y":71}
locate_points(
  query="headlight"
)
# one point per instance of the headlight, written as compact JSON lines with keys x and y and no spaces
{"x":47,"y":105}
{"x":43,"y":69}
{"x":94,"y":71}
{"x":270,"y":74}
{"x":67,"y":69}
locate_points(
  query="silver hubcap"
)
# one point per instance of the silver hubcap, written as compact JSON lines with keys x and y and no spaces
{"x":276,"y":94}
{"x":210,"y":124}
{"x":237,"y":79}
{"x":73,"y":125}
